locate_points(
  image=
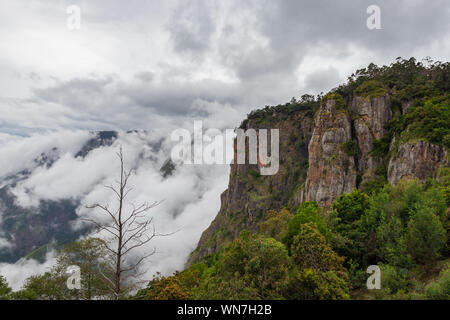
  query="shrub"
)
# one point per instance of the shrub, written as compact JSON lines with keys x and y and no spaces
{"x":310,"y":250}
{"x":165,"y":288}
{"x":5,"y":289}
{"x":391,"y":240}
{"x":309,"y":285}
{"x":322,"y":275}
{"x":251,"y":267}
{"x":372,"y":186}
{"x":340,"y":103}
{"x":430,"y":120}
{"x":426,"y":236}
{"x":275,"y":226}
{"x":350,"y":148}
{"x":351,"y":206}
{"x":439,"y":290}
{"x":381,"y":146}
{"x":393,"y":279}
{"x":308,"y":212}
{"x":371,"y":88}
{"x":254,"y":174}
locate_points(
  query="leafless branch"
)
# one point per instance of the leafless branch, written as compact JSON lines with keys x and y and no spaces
{"x":128,"y":231}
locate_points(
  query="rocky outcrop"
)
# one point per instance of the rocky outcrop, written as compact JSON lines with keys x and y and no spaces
{"x":331,"y":170}
{"x":249,"y":194}
{"x":321,"y":159}
{"x":415,"y":160}
{"x":371,"y":116}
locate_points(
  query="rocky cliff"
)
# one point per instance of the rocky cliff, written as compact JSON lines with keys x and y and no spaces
{"x":416,"y":160}
{"x":250,"y":194}
{"x":332,"y":169}
{"x":340,"y":151}
{"x":368,"y":132}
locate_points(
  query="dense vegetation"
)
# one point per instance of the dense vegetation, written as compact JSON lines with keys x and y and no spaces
{"x":307,"y":102}
{"x":404,"y":229}
{"x":423,"y":86}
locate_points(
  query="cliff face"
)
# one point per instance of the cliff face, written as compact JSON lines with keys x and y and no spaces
{"x":416,"y":160}
{"x":371,"y":117}
{"x":331,"y":170}
{"x":341,"y":147}
{"x":249,"y":194}
{"x":324,"y":152}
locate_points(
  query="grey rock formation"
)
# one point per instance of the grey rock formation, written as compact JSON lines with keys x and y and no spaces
{"x":416,"y":160}
{"x":331,"y":171}
{"x":371,"y":115}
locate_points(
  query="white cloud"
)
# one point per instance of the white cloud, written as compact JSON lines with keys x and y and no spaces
{"x":4,"y":243}
{"x":19,"y":153}
{"x":190,"y":197}
{"x":17,"y":273}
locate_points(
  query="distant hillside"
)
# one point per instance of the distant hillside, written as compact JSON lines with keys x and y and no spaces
{"x":30,"y":229}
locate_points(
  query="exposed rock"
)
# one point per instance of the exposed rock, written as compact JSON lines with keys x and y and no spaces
{"x":406,"y":105}
{"x":416,"y":160}
{"x":371,"y":115}
{"x":331,"y":168}
{"x":331,"y":171}
{"x":249,"y":195}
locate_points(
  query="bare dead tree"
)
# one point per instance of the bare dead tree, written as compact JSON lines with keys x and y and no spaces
{"x":129,"y":230}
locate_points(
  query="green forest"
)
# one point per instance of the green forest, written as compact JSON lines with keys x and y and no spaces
{"x":307,"y":255}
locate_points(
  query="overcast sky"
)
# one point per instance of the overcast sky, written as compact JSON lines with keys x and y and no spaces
{"x":139,"y":64}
